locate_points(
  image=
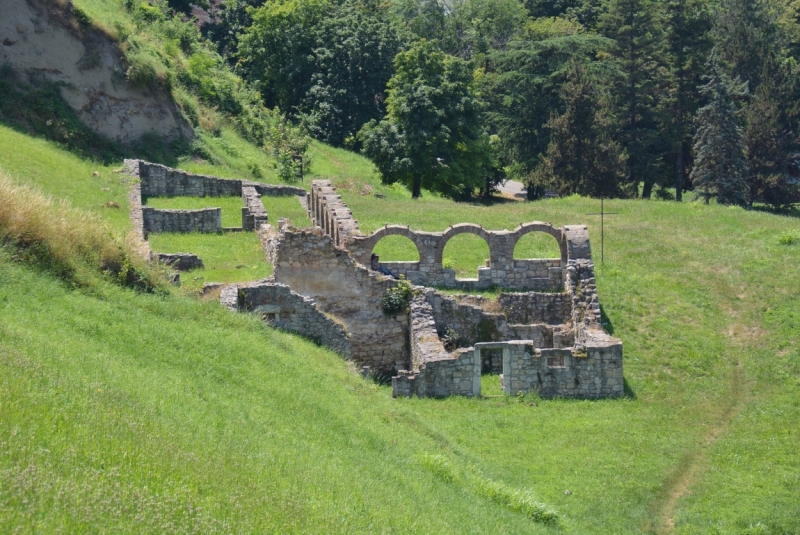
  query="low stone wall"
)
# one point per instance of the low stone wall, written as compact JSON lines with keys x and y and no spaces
{"x":157,"y":221}
{"x":278,"y":305}
{"x":162,"y":181}
{"x":253,"y":213}
{"x":137,"y":221}
{"x":533,"y":307}
{"x":179,"y":261}
{"x":309,"y":262}
{"x":458,"y":375}
{"x":595,"y":372}
{"x":276,"y":190}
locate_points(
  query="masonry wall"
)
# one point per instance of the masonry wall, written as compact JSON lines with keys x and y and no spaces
{"x":278,"y":305}
{"x":157,"y":221}
{"x":595,"y":372}
{"x":533,"y":307}
{"x":179,"y":261}
{"x":253,"y":213}
{"x":502,"y":268}
{"x":161,"y":181}
{"x":308,"y":262}
{"x":468,"y":318}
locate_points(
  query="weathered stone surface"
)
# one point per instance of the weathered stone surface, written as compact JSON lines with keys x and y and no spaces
{"x":179,"y":261}
{"x":205,"y":220}
{"x":279,"y":306}
{"x":253,"y":214}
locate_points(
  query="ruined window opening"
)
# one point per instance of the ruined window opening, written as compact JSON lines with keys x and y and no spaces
{"x":537,"y":245}
{"x":465,"y":253}
{"x":556,"y":362}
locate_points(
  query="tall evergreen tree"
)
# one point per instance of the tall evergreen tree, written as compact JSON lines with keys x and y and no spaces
{"x":688,"y":42}
{"x":582,"y":156}
{"x":720,"y":168}
{"x":635,"y":27}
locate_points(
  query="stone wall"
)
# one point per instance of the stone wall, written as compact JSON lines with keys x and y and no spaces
{"x":502,"y":270}
{"x":468,"y":317}
{"x":310,"y":263}
{"x":253,"y":213}
{"x":179,"y":261}
{"x":279,"y":306}
{"x":595,"y":372}
{"x":161,"y":181}
{"x":533,"y":307}
{"x":205,"y":220}
{"x":328,"y":212}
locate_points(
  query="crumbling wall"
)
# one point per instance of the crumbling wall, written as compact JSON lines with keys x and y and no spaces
{"x":253,"y":213}
{"x":592,"y":372}
{"x":161,"y":181}
{"x":310,"y":263}
{"x":205,"y":220}
{"x":328,"y":212}
{"x":179,"y":261}
{"x":279,"y":306}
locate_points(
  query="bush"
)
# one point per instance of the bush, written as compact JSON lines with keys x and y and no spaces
{"x":791,"y":237}
{"x":142,"y":71}
{"x":396,"y":299}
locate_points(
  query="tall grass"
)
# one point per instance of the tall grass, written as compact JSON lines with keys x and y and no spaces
{"x":69,"y":242}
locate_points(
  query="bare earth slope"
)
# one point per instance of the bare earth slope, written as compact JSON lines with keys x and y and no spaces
{"x":39,"y":39}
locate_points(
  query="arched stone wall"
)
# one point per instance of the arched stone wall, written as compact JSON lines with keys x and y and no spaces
{"x":504,"y":271}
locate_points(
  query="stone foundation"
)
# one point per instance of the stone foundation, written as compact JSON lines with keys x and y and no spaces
{"x":179,"y":261}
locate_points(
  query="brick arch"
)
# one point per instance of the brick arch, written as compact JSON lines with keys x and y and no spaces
{"x":372,"y":240}
{"x":464,"y":228}
{"x":537,"y":226}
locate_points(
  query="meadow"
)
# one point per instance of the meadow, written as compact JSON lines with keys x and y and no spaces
{"x":121,"y":411}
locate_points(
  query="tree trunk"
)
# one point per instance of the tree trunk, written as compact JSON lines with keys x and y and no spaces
{"x":679,"y":114}
{"x":416,"y":188}
{"x":647,"y":190}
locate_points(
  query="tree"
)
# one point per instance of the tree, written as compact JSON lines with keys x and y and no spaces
{"x":352,"y":63}
{"x":636,"y":30}
{"x":524,"y":89}
{"x":688,"y":42}
{"x":582,"y":157}
{"x":431,"y":136}
{"x":720,"y":169}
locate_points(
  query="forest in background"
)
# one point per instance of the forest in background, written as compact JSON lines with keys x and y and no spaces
{"x":613,"y":98}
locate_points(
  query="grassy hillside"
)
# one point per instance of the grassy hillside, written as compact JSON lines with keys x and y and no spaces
{"x":126,"y":412}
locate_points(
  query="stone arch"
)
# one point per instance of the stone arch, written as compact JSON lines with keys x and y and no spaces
{"x":369,"y":243}
{"x":464,"y":228}
{"x":537,"y":226}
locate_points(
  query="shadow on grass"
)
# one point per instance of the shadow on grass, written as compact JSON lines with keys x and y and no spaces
{"x":34,"y":106}
{"x":604,"y":319}
{"x":793,"y":211}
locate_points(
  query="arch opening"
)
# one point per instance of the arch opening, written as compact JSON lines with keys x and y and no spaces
{"x":465,"y":253}
{"x":396,"y":248}
{"x":537,"y":245}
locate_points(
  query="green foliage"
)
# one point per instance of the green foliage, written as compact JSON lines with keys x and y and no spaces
{"x":583,"y":156}
{"x":791,"y":237}
{"x":720,"y":169}
{"x":431,"y":136}
{"x":396,"y":298}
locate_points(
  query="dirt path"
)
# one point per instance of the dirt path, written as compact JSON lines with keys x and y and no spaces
{"x":691,"y":467}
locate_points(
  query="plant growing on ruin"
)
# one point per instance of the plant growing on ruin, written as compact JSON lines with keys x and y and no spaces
{"x":396,"y":299}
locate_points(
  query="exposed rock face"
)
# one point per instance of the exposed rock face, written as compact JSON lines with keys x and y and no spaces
{"x":39,"y":39}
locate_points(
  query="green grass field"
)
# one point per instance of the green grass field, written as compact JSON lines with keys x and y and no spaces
{"x":124,"y":412}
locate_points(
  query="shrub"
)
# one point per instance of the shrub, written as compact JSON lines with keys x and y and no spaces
{"x":396,"y":299}
{"x":142,"y":71}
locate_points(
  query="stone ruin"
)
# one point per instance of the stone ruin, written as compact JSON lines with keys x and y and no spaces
{"x":542,"y":335}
